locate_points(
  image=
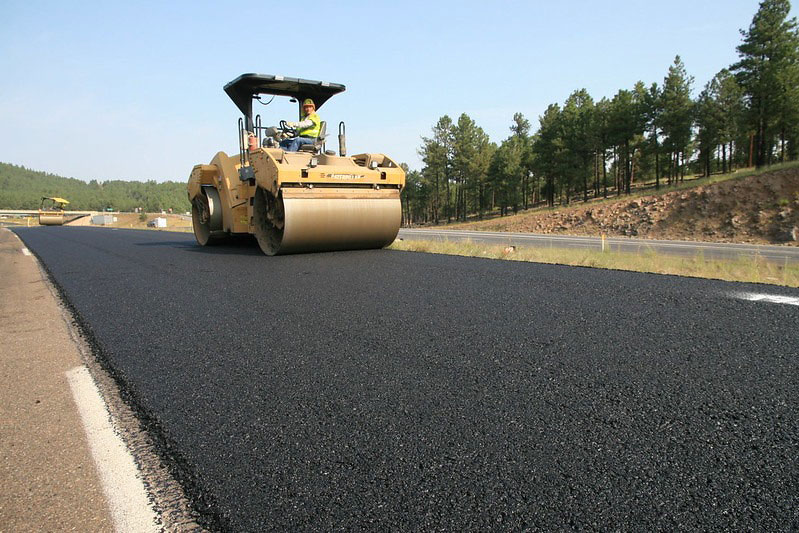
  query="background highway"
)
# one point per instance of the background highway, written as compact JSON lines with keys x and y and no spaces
{"x":394,"y":390}
{"x":709,"y":250}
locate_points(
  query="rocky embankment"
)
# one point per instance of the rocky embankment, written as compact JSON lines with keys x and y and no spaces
{"x":754,"y":209}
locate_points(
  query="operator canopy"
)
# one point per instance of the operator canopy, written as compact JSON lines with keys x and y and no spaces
{"x":245,"y":87}
{"x":55,"y":199}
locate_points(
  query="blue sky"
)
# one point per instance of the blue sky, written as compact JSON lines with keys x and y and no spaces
{"x":133,"y":90}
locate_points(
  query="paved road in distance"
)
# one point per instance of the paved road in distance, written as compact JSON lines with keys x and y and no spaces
{"x":720,"y":251}
{"x":394,"y":390}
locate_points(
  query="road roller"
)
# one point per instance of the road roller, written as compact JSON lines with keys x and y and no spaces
{"x":310,"y":200}
{"x":51,"y":211}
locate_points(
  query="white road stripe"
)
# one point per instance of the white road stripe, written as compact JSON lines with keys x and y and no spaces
{"x":770,"y":298}
{"x":124,"y":490}
{"x":25,"y":251}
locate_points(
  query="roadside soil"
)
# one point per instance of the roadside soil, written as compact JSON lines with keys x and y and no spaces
{"x":134,"y":221}
{"x":123,"y":220}
{"x":761,"y":209}
{"x":47,"y":471}
{"x":49,"y":476}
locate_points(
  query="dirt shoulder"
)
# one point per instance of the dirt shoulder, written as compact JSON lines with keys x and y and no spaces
{"x":47,"y":471}
{"x":759,"y":209}
{"x":136,"y":221}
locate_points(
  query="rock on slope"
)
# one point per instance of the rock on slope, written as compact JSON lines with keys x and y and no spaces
{"x":753,"y":209}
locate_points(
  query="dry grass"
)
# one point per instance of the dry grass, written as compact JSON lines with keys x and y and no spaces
{"x":690,"y":183}
{"x":752,"y":270}
{"x":19,"y":221}
{"x":641,"y":190}
{"x":134,"y":221}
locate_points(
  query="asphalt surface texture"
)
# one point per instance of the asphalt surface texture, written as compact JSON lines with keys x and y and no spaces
{"x":708,"y":250}
{"x":387,"y":390}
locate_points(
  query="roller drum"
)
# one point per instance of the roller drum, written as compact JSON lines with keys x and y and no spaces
{"x":316,"y":220}
{"x":51,"y":219}
{"x":206,"y":217}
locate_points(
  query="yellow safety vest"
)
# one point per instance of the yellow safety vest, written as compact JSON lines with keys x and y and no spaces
{"x":312,"y":131}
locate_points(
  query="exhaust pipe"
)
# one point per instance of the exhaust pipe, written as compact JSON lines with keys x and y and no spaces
{"x":342,"y":140}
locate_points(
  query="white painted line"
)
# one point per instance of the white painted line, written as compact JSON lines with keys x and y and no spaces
{"x":25,"y":251}
{"x":770,"y":298}
{"x":123,"y":488}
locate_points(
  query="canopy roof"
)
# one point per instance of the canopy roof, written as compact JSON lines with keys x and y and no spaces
{"x":55,"y":199}
{"x":242,"y":89}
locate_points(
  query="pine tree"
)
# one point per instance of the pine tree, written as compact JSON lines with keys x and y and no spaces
{"x":505,"y":169}
{"x":548,"y":150}
{"x":578,"y":132}
{"x":436,"y":154}
{"x":414,"y":197}
{"x":603,"y":143}
{"x":768,"y":72}
{"x":651,"y":107}
{"x":731,"y":102}
{"x":677,"y":116}
{"x":465,"y":136}
{"x":625,"y":131}
{"x":709,"y":118}
{"x":521,"y":130}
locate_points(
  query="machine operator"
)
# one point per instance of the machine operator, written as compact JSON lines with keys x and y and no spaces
{"x":307,"y":128}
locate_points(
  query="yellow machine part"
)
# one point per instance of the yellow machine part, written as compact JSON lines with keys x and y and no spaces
{"x":298,"y":202}
{"x":339,"y":219}
{"x":51,"y":219}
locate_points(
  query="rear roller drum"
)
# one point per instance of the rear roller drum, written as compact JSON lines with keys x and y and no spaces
{"x":206,"y":217}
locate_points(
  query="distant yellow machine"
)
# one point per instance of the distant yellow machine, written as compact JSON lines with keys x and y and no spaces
{"x":51,"y":211}
{"x":305,"y":201}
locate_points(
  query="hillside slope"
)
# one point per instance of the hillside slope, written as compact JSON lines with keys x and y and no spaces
{"x":22,"y":188}
{"x":761,"y":209}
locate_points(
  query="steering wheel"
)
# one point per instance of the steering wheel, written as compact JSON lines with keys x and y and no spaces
{"x":284,"y":126}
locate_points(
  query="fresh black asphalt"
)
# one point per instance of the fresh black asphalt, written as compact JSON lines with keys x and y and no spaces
{"x":387,"y":390}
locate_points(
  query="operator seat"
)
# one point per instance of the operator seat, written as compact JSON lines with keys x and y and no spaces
{"x":316,"y":147}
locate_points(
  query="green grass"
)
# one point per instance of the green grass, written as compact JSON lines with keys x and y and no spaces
{"x":751,"y":270}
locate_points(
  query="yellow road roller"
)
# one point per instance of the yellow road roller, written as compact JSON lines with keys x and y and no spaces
{"x":51,"y":211}
{"x":309,"y":200}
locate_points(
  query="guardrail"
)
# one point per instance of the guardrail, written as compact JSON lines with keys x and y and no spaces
{"x":23,"y":212}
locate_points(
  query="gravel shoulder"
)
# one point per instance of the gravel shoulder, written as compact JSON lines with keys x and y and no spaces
{"x":48,"y":476}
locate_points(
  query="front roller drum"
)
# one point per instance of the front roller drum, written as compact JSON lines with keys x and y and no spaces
{"x":319,"y":219}
{"x":206,"y":217}
{"x":51,"y":219}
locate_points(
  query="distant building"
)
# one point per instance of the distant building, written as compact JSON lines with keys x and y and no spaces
{"x":102,"y":220}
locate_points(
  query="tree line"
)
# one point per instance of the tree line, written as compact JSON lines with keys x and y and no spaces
{"x":747,"y":114}
{"x":21,"y":188}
